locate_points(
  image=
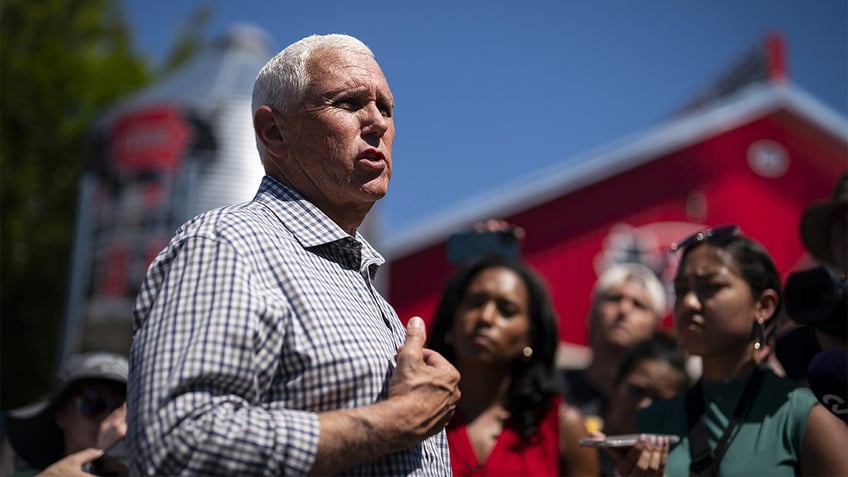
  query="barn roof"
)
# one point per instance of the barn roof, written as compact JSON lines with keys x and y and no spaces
{"x":752,"y":102}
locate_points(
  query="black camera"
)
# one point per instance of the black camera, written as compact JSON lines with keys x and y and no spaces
{"x":818,"y":298}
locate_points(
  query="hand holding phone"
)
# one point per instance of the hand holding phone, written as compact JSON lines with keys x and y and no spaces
{"x":623,"y":440}
{"x":635,"y":454}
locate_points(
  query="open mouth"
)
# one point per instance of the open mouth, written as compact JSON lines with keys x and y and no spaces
{"x":372,"y":159}
{"x":372,"y":155}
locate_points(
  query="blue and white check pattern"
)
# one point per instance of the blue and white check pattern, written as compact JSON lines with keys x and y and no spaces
{"x":255,"y":318}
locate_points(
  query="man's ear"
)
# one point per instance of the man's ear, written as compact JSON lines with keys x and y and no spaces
{"x":268,"y":132}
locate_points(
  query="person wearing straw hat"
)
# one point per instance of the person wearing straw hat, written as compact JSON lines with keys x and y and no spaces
{"x":83,"y":415}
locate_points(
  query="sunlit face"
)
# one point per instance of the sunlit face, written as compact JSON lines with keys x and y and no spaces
{"x":338,"y":146}
{"x":80,"y":415}
{"x":492,"y":323}
{"x":623,"y":315}
{"x":649,"y":380}
{"x":714,"y":309}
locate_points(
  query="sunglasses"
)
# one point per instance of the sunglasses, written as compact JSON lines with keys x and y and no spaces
{"x":92,"y":404}
{"x":711,"y":235}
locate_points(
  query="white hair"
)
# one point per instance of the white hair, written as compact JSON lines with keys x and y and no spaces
{"x":622,"y":273}
{"x":283,"y":81}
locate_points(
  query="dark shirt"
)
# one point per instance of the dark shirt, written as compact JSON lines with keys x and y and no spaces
{"x":578,"y":391}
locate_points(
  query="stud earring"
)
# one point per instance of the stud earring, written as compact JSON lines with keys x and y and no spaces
{"x":527,"y":353}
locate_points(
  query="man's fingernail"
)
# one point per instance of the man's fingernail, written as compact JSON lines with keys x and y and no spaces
{"x":416,"y":322}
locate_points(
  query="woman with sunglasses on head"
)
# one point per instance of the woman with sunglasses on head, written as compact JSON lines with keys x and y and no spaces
{"x":496,"y":324}
{"x":84,"y":415}
{"x":740,"y":418}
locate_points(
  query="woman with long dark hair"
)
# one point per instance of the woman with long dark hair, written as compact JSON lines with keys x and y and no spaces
{"x":496,"y":324}
{"x":740,"y":418}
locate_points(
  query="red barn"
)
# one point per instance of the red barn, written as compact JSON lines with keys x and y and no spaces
{"x":754,"y":154}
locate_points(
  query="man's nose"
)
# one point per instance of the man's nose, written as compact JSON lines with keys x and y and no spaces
{"x":374,"y":123}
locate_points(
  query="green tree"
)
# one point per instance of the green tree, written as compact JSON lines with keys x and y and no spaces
{"x":61,"y":62}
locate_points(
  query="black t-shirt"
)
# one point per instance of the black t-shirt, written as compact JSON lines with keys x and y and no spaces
{"x":578,"y":391}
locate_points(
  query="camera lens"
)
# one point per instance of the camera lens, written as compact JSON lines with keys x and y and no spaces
{"x":819,"y":298}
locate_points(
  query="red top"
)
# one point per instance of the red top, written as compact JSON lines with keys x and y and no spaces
{"x":510,"y":456}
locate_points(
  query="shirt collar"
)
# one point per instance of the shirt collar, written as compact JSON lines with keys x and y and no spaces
{"x":313,"y":229}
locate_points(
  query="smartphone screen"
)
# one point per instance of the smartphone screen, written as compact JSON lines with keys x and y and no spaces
{"x":625,"y":440}
{"x":466,"y":246}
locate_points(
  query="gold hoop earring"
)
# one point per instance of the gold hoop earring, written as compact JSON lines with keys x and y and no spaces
{"x":761,"y":338}
{"x":527,"y":353}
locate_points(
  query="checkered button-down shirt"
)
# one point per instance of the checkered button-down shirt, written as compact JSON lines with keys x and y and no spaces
{"x":253,"y":320}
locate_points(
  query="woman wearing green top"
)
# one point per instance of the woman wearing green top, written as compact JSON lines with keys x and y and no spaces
{"x":741,"y":419}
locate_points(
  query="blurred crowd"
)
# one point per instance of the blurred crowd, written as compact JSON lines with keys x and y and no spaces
{"x":496,"y":323}
{"x":734,"y":324}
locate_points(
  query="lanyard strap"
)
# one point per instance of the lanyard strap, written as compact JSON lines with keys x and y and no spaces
{"x":705,"y":461}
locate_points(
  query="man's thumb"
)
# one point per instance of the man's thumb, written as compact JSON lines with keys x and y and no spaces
{"x":415,"y":333}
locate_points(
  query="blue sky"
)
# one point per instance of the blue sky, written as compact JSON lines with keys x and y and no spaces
{"x":490,"y":92}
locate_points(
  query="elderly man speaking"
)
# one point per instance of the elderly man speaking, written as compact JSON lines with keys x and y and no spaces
{"x":262,"y":346}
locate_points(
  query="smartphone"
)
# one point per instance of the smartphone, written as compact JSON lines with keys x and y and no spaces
{"x":624,"y":440}
{"x":466,"y":246}
{"x":115,"y":462}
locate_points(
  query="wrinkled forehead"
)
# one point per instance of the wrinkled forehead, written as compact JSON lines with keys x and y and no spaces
{"x":345,"y":66}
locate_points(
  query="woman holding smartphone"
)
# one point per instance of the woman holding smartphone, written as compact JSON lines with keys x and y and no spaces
{"x":740,"y":418}
{"x":496,"y":324}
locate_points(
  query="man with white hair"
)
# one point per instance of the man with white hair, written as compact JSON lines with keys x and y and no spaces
{"x":262,"y":346}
